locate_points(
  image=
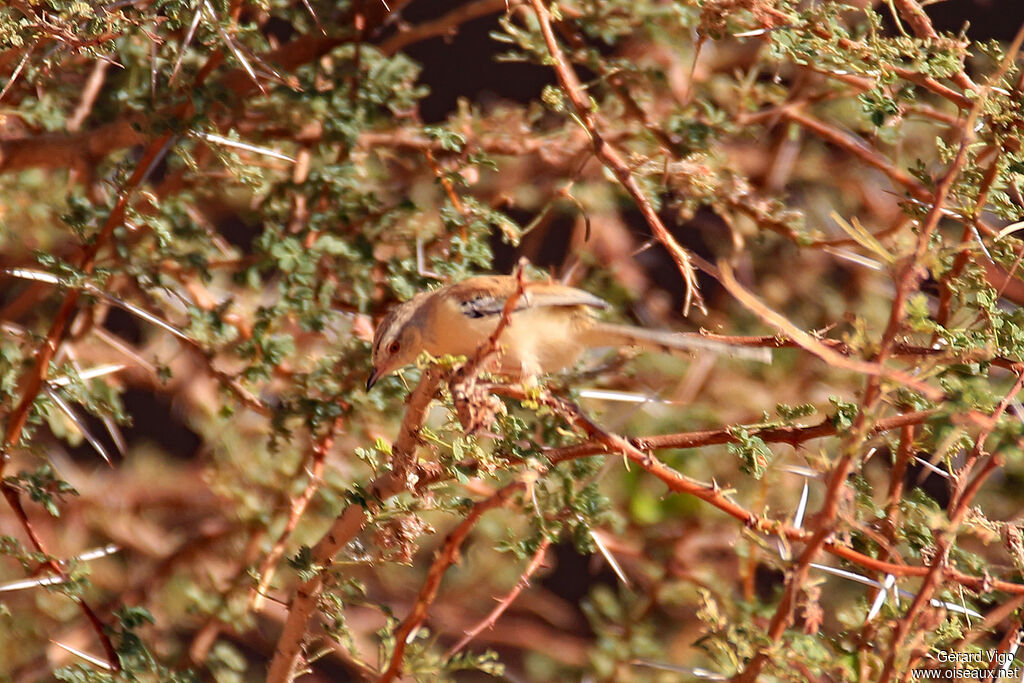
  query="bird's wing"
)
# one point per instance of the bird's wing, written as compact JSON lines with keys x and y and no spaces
{"x":486,"y":296}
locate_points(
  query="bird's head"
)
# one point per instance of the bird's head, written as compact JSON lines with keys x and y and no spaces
{"x":398,"y":340}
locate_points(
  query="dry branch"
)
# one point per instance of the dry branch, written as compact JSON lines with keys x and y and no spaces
{"x":611,"y":158}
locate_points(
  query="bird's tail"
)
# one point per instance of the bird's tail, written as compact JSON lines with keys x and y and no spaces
{"x":609,"y":334}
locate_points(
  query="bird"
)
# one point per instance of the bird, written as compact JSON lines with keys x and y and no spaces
{"x":551,"y":326}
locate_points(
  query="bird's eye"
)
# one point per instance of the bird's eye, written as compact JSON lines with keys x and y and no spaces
{"x":393,"y":347}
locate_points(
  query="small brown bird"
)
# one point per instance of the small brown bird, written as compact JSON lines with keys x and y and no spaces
{"x":550,"y":328}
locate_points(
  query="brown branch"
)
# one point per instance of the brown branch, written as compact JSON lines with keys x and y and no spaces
{"x":872,"y":158}
{"x":90,"y":92}
{"x":909,"y":279}
{"x":991,"y":621}
{"x":492,"y":346}
{"x":792,"y":435}
{"x":922,"y":26}
{"x":911,"y":273}
{"x":1010,"y":641}
{"x":964,"y":256}
{"x":896,"y":476}
{"x":449,"y":189}
{"x":638,"y":450}
{"x":824,"y":522}
{"x":611,"y":158}
{"x":679,"y":483}
{"x":808,"y":342}
{"x":960,"y":100}
{"x":927,"y":82}
{"x":442,"y":26}
{"x":866,"y":154}
{"x":412,"y":139}
{"x":70,"y":150}
{"x":100,"y":629}
{"x":13,"y":497}
{"x":345,"y":527}
{"x":446,"y":557}
{"x":918,"y":20}
{"x":937,"y":572}
{"x":988,"y":427}
{"x":908,"y":282}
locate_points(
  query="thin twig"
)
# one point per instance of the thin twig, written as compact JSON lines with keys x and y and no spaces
{"x":186,"y":42}
{"x":298,"y":507}
{"x":17,"y":71}
{"x":446,"y":557}
{"x":488,"y":622}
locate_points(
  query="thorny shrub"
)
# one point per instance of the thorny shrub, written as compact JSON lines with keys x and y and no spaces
{"x":206,"y":205}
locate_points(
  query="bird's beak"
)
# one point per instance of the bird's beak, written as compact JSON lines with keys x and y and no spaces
{"x":375,"y":374}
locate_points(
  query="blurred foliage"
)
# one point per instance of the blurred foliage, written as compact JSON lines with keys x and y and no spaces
{"x":258,"y":184}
